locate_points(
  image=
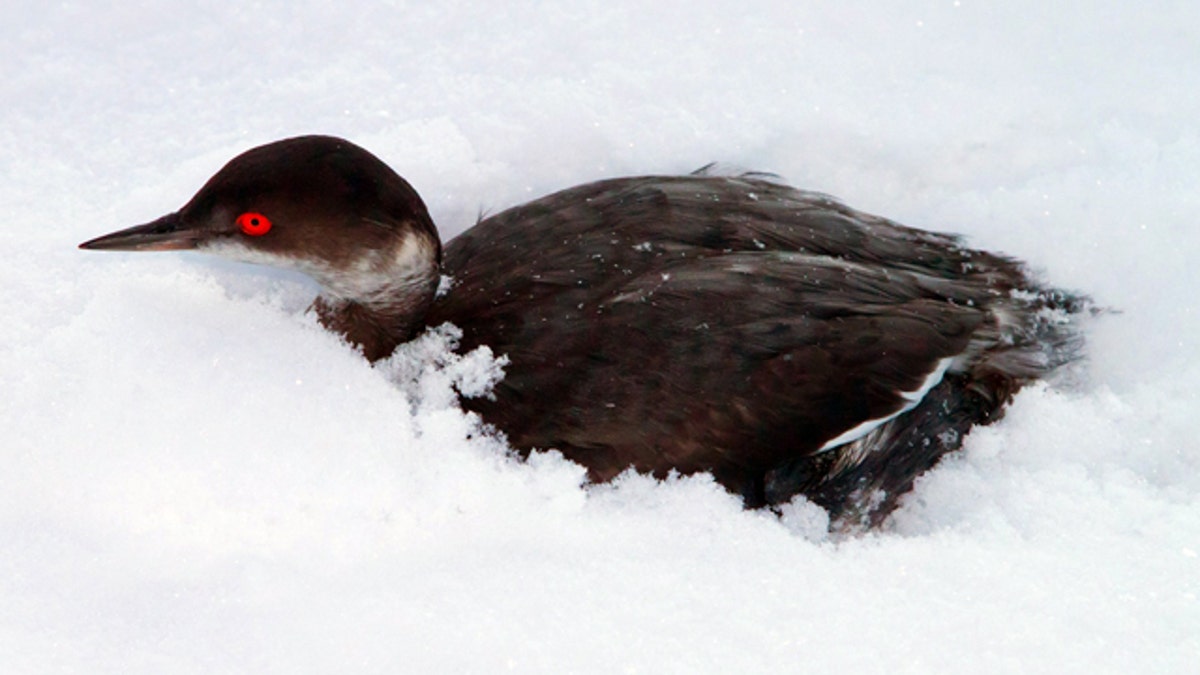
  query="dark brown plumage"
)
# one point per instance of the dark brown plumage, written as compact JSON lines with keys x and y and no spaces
{"x":697,"y":323}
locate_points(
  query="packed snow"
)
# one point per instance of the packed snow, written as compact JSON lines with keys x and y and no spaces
{"x":199,"y":479}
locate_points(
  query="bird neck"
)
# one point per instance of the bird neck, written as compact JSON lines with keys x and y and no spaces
{"x":383,"y":302}
{"x":377,"y":328}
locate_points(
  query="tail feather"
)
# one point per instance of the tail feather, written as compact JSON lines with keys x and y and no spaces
{"x":1033,"y":334}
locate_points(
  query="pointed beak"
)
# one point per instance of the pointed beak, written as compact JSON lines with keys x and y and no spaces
{"x":165,"y":234}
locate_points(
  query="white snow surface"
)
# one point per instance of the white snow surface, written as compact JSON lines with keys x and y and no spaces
{"x":198,"y":479}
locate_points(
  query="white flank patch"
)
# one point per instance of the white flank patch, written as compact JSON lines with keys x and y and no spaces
{"x":913,"y":397}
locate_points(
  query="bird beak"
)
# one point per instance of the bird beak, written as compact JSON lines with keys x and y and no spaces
{"x":165,"y":234}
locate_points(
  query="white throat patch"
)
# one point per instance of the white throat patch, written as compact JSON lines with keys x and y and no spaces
{"x":376,"y":277}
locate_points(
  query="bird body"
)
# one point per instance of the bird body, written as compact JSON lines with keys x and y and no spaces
{"x":774,"y":337}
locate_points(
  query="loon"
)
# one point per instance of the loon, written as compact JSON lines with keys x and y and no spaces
{"x":772,"y":337}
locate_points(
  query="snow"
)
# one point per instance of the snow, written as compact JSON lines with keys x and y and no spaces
{"x":198,"y":479}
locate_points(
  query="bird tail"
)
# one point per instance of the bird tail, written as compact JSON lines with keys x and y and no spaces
{"x":1032,"y":335}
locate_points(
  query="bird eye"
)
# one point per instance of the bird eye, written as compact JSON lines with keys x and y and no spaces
{"x":254,"y":224}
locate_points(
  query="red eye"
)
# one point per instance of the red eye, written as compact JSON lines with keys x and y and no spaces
{"x":254,"y":224}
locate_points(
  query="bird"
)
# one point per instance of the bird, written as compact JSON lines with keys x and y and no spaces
{"x":720,"y":323}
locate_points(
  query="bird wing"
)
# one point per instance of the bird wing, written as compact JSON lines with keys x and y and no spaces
{"x":705,"y":323}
